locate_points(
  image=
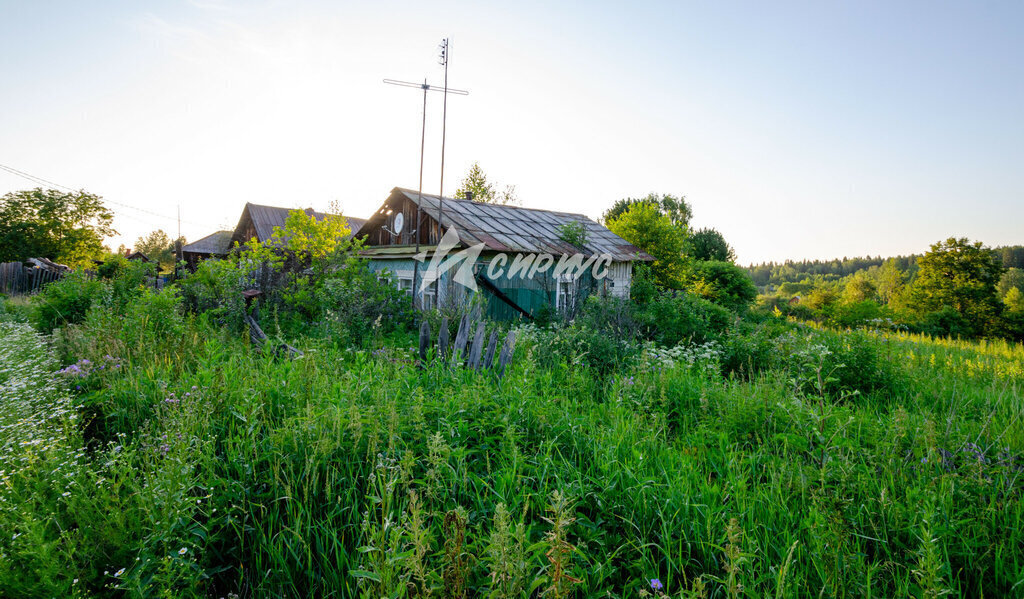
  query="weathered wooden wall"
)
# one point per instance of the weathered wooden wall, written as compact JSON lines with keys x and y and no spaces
{"x":15,"y":279}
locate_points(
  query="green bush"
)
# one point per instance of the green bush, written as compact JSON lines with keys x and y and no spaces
{"x":214,"y":290}
{"x":723,"y":283}
{"x":154,"y":317}
{"x":674,"y":317}
{"x":855,"y":314}
{"x":858,"y":362}
{"x":66,"y":301}
{"x":946,"y":322}
{"x":360,"y":303}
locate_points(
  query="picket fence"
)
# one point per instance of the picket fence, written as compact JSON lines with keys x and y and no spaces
{"x":16,"y":279}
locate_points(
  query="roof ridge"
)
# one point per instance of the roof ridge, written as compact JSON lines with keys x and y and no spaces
{"x":509,"y":206}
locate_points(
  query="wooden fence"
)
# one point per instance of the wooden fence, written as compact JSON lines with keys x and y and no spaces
{"x":16,"y":279}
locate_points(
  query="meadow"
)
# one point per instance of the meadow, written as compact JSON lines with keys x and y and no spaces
{"x":152,"y":452}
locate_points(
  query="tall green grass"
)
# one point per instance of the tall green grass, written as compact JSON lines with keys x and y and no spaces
{"x":204,"y":468}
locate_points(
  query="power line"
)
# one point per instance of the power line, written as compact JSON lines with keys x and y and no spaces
{"x":42,"y":181}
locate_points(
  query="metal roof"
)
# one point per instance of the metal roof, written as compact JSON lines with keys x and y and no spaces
{"x":266,"y":218}
{"x":518,"y":229}
{"x":217,"y":243}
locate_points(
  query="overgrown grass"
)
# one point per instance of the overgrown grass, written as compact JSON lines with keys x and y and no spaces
{"x":204,"y":468}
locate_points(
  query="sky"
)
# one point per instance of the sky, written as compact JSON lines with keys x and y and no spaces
{"x":798,"y":130}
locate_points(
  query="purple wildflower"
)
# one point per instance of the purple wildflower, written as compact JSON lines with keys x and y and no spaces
{"x":656,"y":585}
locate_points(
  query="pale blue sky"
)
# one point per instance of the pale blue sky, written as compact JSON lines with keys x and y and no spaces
{"x":799,"y":130}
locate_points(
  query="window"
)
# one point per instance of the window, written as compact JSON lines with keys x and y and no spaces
{"x":405,"y":284}
{"x":429,"y":299}
{"x":565,"y":297}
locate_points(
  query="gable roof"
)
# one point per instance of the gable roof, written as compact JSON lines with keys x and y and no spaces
{"x":513,"y":228}
{"x":266,"y":218}
{"x":216,"y":243}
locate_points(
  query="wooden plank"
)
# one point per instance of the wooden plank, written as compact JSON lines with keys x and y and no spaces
{"x":442,"y":339}
{"x":506,"y":353}
{"x":424,"y":343}
{"x":478,"y":347}
{"x":491,"y":346}
{"x":461,"y":337}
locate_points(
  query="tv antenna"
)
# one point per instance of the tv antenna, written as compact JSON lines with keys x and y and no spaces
{"x":423,"y":140}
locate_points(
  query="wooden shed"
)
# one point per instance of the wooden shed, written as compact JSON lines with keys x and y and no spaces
{"x":215,"y":245}
{"x":511,"y":232}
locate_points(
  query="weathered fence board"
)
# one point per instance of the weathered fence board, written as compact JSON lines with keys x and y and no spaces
{"x":16,"y":279}
{"x":472,"y":349}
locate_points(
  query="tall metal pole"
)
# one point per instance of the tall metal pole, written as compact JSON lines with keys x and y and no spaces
{"x":444,"y":130}
{"x":416,"y":231}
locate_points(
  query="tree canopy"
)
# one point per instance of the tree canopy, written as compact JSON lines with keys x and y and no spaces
{"x":66,"y":227}
{"x":676,"y":209}
{"x":644,"y":225}
{"x":476,"y":183}
{"x":709,"y":244}
{"x":960,"y":275}
{"x":723,"y":283}
{"x":158,"y":247}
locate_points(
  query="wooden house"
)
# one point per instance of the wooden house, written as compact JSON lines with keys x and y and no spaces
{"x":505,"y":235}
{"x":259,"y":222}
{"x":256,"y":222}
{"x":216,"y":245}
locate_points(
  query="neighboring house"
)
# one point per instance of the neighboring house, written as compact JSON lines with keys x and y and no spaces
{"x":514,"y":231}
{"x":216,"y":245}
{"x":257,"y":221}
{"x":260,"y":221}
{"x":137,"y":256}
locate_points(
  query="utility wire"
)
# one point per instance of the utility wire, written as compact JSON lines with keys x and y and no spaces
{"x":42,"y":181}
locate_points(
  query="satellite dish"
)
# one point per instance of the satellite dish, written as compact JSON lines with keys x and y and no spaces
{"x":399,"y":222}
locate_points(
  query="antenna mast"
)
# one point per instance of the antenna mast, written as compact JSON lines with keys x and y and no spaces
{"x":444,"y":130}
{"x":423,"y":137}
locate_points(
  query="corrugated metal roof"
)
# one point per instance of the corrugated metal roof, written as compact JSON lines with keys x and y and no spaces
{"x":217,"y":243}
{"x":528,"y":230}
{"x":266,"y":218}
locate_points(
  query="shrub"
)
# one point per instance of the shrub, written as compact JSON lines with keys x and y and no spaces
{"x":66,"y":301}
{"x":723,"y":283}
{"x":858,"y":362}
{"x":359,"y":301}
{"x":946,"y":322}
{"x":674,"y":317}
{"x":855,"y":314}
{"x":215,"y":290}
{"x":154,"y":317}
{"x":750,"y":348}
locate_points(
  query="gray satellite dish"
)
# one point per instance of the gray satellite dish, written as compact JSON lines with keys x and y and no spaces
{"x":399,"y":222}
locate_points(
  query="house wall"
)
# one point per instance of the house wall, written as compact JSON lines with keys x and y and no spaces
{"x":427,"y":230}
{"x":531,"y":294}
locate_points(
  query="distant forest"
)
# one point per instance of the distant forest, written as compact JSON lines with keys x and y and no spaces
{"x":769,"y":276}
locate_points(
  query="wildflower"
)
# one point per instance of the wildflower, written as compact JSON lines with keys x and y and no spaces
{"x":119,"y":573}
{"x":182,"y":551}
{"x":656,"y":585}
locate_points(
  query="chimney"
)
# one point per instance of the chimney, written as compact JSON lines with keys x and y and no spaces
{"x":469,"y":195}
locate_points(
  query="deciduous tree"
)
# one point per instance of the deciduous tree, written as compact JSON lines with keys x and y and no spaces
{"x":158,"y":247}
{"x":675,"y":208}
{"x":67,"y":227}
{"x":645,"y":226}
{"x":960,"y":275}
{"x":709,"y":244}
